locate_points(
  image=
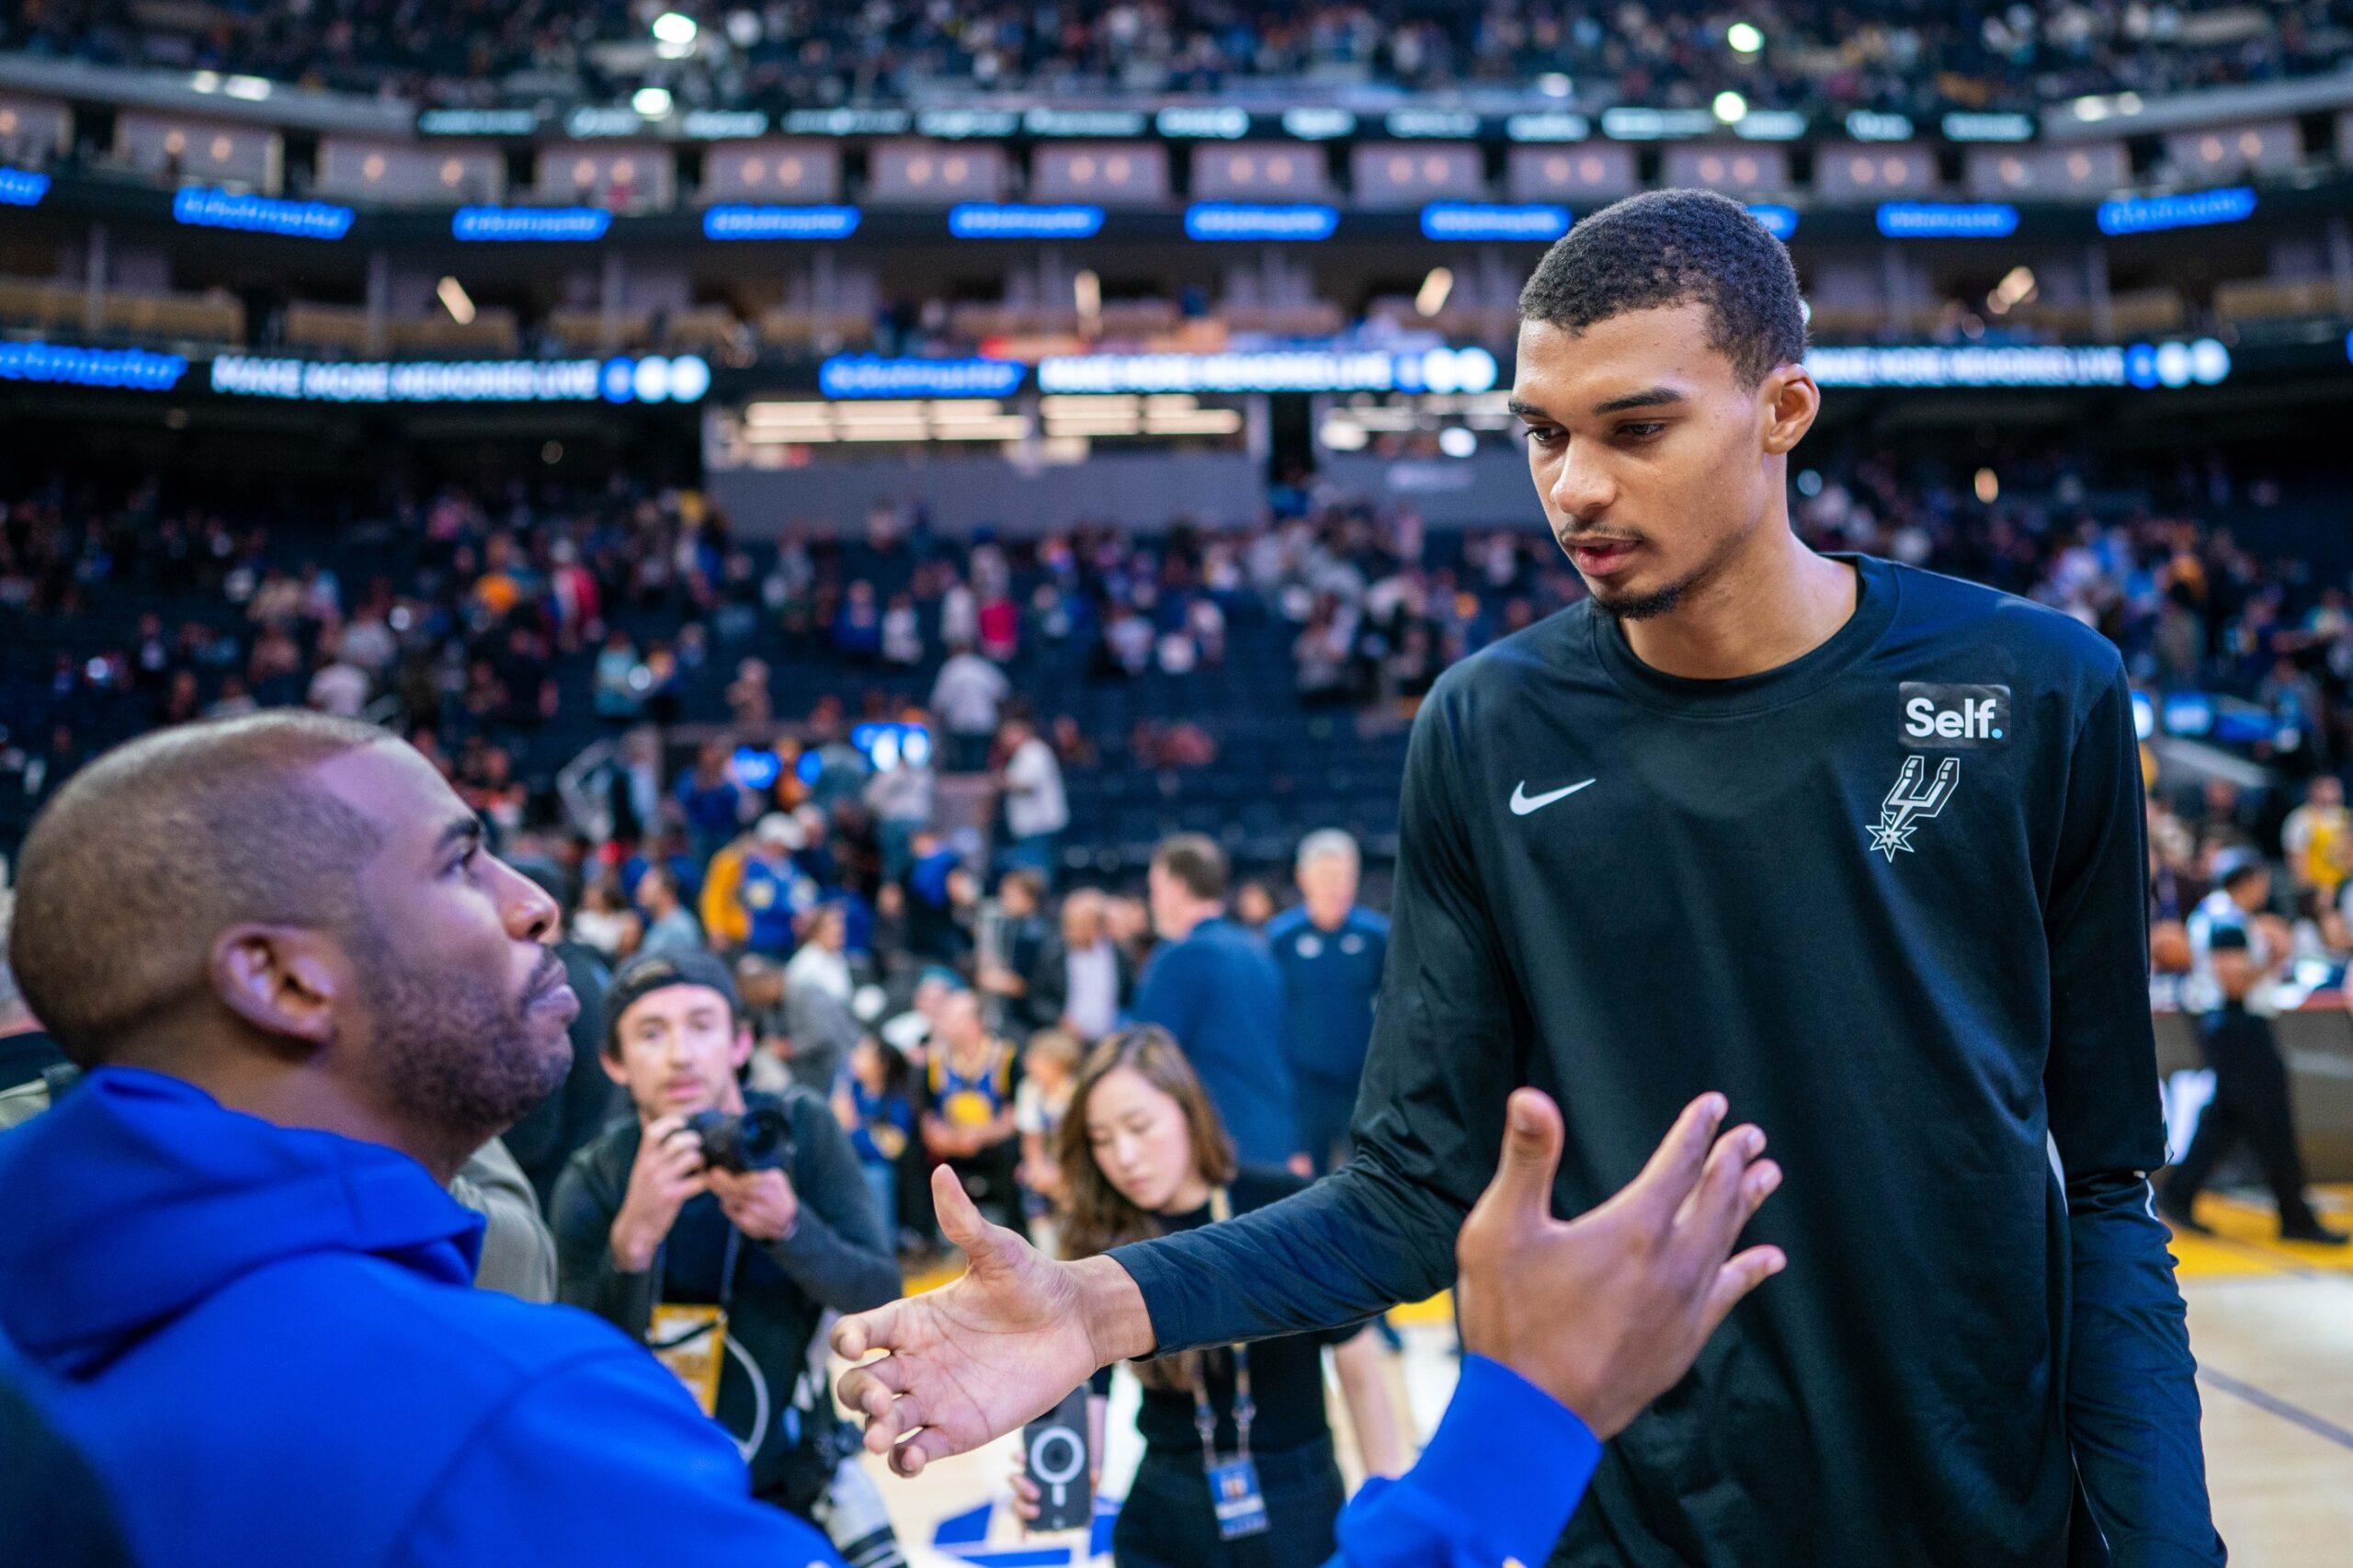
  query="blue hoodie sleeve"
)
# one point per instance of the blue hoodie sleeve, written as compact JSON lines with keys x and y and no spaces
{"x":606,"y":1463}
{"x":1470,"y":1501}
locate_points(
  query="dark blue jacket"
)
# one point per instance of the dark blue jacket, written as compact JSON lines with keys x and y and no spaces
{"x":266,"y":1343}
{"x":1221,"y":996}
{"x":1330,"y":979}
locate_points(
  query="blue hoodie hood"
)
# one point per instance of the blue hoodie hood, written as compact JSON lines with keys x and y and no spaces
{"x":140,"y":1196}
{"x":265,"y":1342}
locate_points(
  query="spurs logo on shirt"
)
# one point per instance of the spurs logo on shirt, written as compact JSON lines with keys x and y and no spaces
{"x":1908,"y":805}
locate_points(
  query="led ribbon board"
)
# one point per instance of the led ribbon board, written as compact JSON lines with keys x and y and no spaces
{"x":2150,"y":214}
{"x":204,"y":207}
{"x":1492,"y":221}
{"x":139,"y":368}
{"x":744,"y":222}
{"x":2140,"y":365}
{"x":1946,"y":219}
{"x":22,"y":187}
{"x":574,"y":223}
{"x":1016,"y":220}
{"x":868,"y":375}
{"x":1469,"y":369}
{"x":1255,"y":220}
{"x":651,"y":379}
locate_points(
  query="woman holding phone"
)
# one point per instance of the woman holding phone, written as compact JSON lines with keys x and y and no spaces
{"x":1238,"y":1466}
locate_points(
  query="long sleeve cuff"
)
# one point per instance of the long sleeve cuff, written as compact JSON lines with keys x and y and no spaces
{"x":1500,"y":1478}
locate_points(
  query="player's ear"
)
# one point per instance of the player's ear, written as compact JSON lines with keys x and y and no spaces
{"x":1791,"y":403}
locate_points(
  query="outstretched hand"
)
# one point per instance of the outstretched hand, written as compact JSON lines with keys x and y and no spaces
{"x":1607,"y":1310}
{"x":979,"y":1356}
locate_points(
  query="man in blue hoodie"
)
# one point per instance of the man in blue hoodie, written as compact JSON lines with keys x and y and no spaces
{"x":302,"y":993}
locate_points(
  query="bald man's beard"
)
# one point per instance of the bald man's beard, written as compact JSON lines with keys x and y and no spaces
{"x":456,"y":1052}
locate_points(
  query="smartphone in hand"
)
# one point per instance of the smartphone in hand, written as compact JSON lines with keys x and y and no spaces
{"x":1059,"y":1465}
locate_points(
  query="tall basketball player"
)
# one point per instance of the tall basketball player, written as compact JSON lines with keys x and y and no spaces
{"x":1858,"y":843}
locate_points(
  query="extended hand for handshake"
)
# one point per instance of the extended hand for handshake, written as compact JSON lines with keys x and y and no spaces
{"x":1604,"y":1312}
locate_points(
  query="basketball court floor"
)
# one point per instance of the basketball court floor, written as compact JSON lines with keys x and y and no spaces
{"x":2271,"y":1324}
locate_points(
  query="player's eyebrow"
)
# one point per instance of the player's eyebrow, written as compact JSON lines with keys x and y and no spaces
{"x":1650,"y":397}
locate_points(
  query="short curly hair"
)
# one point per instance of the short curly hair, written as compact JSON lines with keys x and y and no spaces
{"x":1671,"y":247}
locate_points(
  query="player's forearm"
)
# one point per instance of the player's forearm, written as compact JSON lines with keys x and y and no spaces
{"x":2133,"y":1414}
{"x":1353,"y":1245}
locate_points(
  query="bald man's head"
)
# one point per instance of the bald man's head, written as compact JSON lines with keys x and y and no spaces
{"x":153,"y":851}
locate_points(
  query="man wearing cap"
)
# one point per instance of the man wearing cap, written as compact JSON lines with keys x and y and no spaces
{"x":726,"y":1273}
{"x":772,"y":888}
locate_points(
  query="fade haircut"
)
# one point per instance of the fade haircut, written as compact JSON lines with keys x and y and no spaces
{"x":132,"y":872}
{"x":1676,"y":247}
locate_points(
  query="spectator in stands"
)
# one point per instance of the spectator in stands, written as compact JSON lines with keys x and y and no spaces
{"x":1330,"y":952}
{"x":1049,"y":1071}
{"x":971,"y":1078}
{"x":817,"y":991}
{"x":936,"y":897}
{"x":2318,"y":839}
{"x":899,"y":800}
{"x":902,"y":632}
{"x":1017,"y":940}
{"x":1253,"y":905}
{"x":874,"y":1104}
{"x":605,"y":921}
{"x":27,"y":1050}
{"x":1037,"y":810}
{"x":339,"y":687}
{"x":670,"y":926}
{"x":1211,"y":986}
{"x":771,"y":888}
{"x":967,"y":698}
{"x":266,"y":1036}
{"x":1082,"y":980}
{"x":618,"y":680}
{"x":714,"y":803}
{"x":657,"y":1239}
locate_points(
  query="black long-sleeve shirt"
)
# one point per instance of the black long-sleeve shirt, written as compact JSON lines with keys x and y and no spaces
{"x":1888,"y":897}
{"x":836,"y":1256}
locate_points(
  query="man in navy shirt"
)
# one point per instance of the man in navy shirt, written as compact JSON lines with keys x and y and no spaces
{"x":1857,"y":843}
{"x":1330,"y":953}
{"x":1212,"y":984}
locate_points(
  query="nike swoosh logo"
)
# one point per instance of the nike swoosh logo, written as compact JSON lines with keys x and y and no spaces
{"x":1522,"y":803}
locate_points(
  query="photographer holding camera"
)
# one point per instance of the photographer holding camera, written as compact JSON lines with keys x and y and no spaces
{"x":717,"y":1227}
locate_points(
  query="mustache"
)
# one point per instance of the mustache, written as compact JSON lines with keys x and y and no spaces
{"x":546,"y":977}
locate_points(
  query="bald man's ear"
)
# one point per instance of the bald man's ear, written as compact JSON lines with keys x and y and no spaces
{"x":1792,"y":401}
{"x":282,"y":980}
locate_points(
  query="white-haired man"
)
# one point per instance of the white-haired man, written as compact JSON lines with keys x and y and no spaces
{"x":1330,"y":951}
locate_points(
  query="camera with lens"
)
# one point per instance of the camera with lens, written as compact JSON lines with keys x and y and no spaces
{"x":759,"y":1140}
